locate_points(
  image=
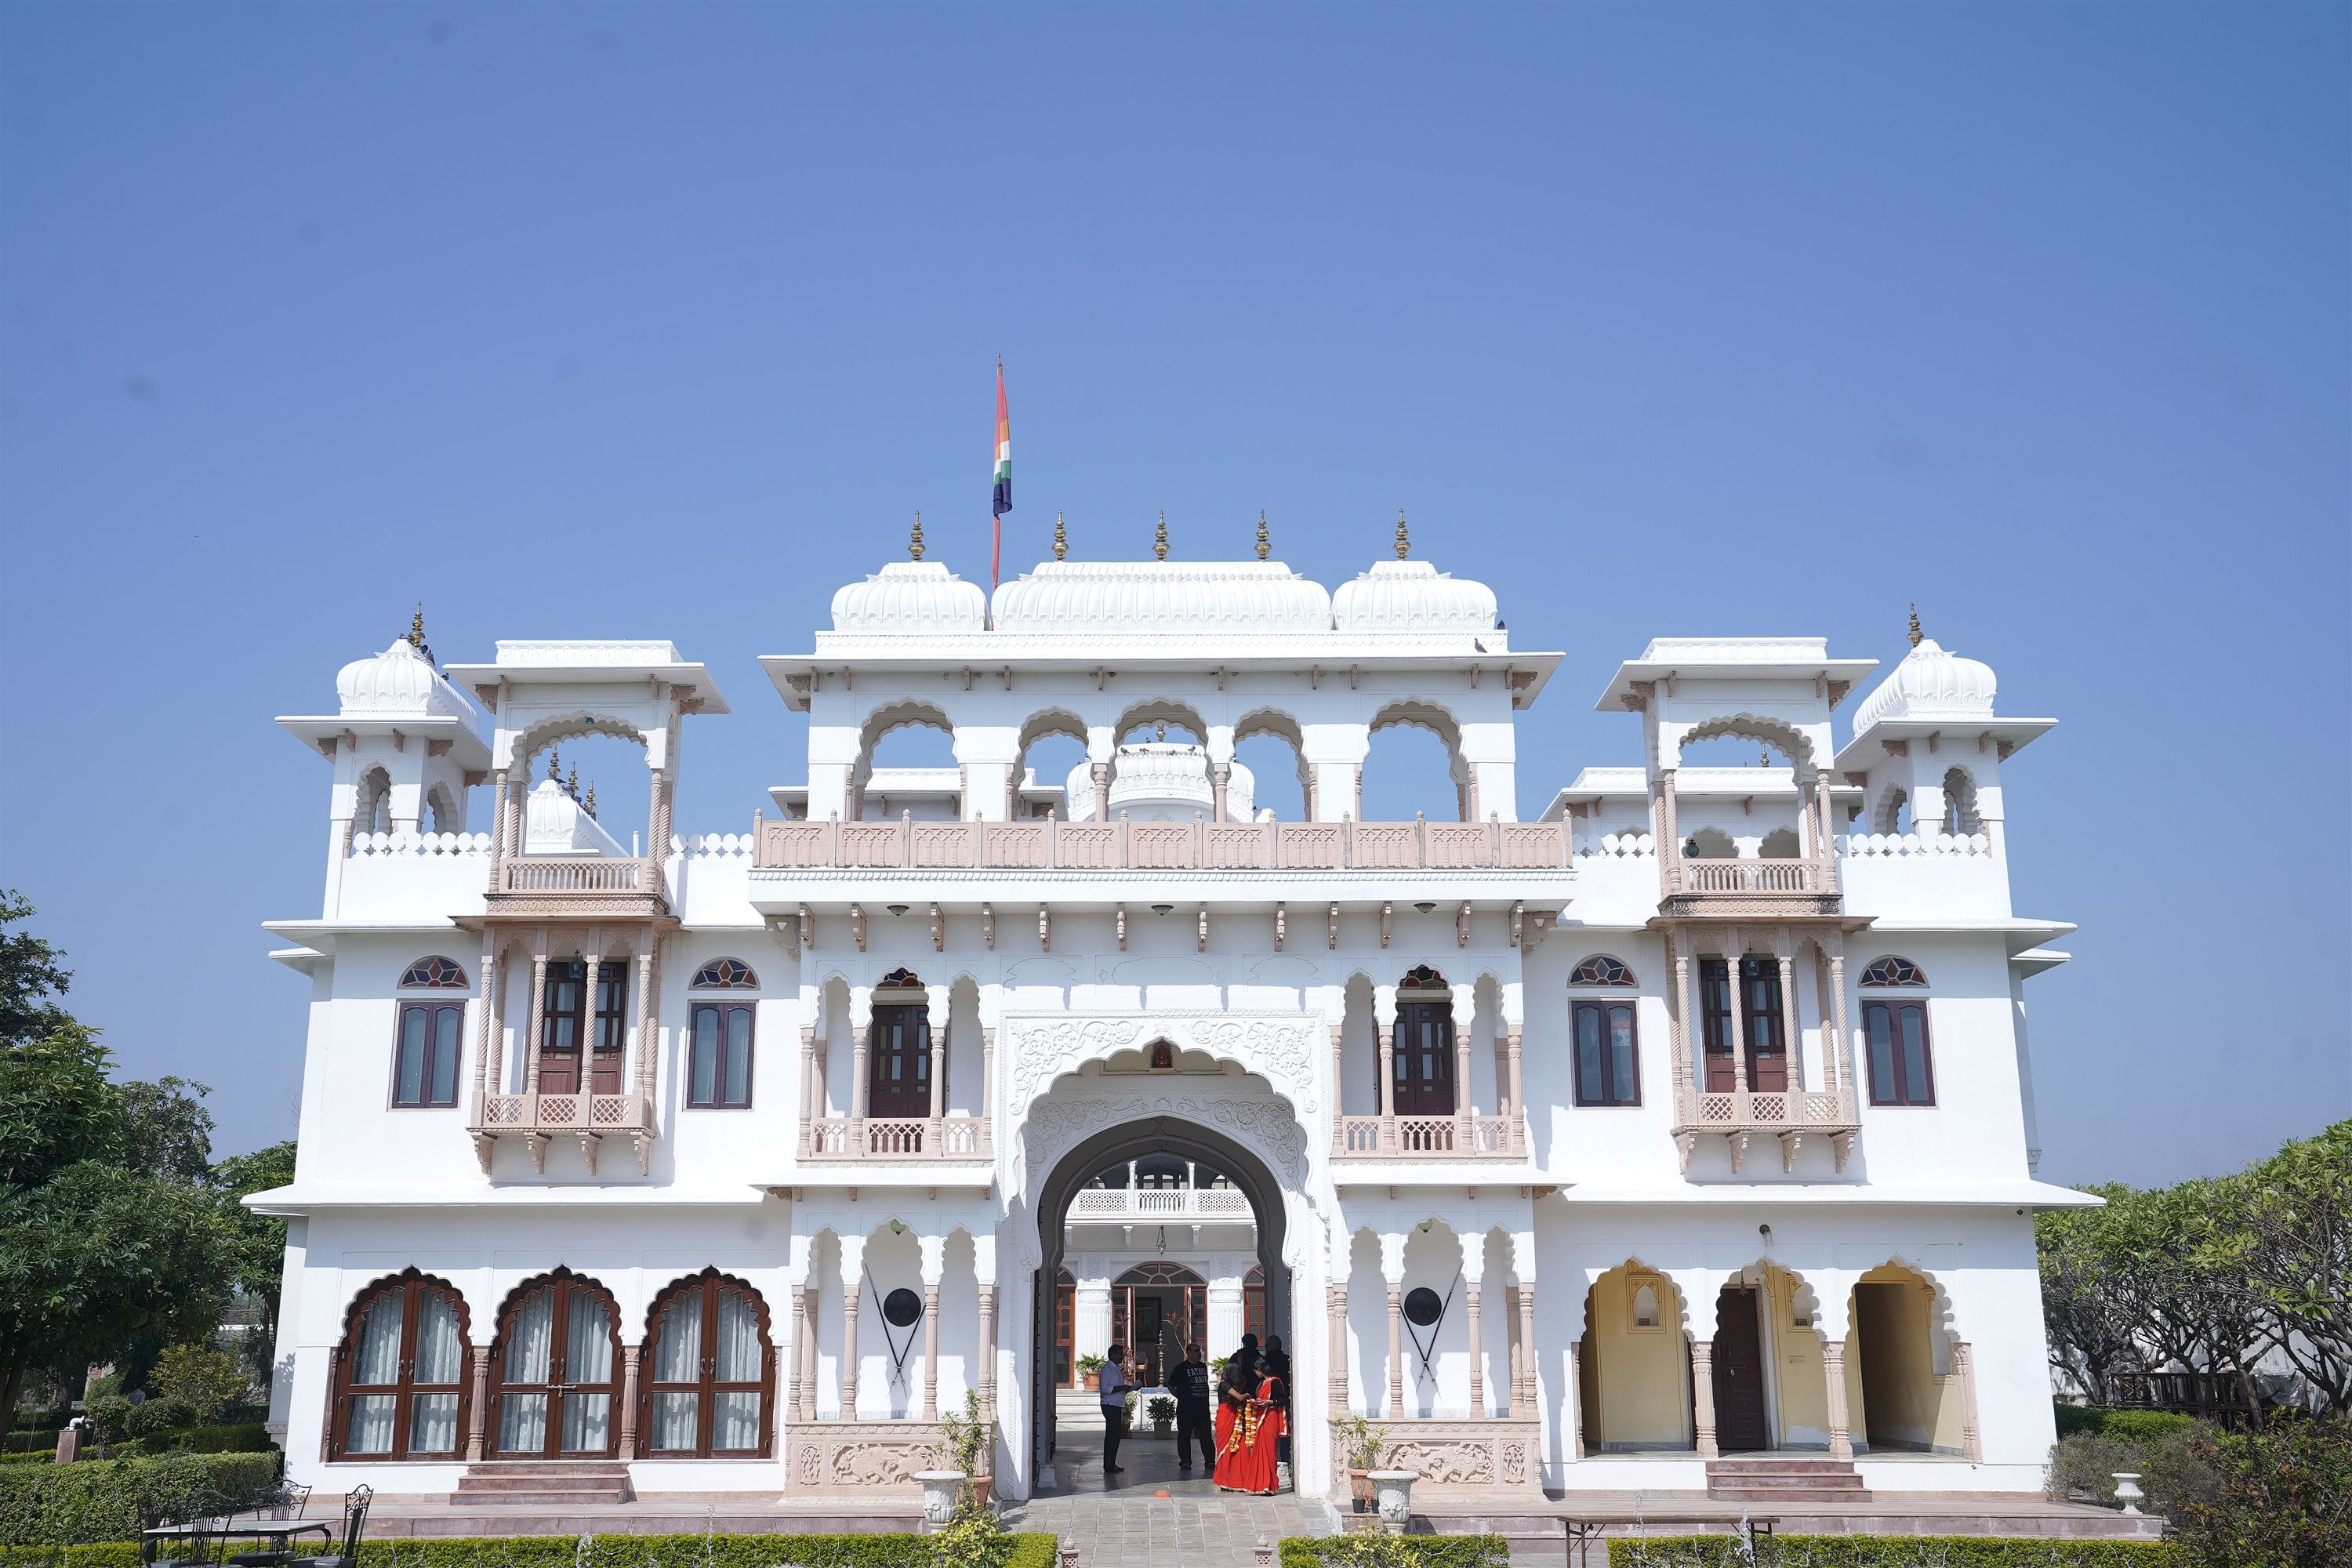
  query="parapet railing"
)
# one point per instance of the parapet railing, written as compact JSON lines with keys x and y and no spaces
{"x":1160,"y":1202}
{"x":1196,"y":845}
{"x":898,"y":1138}
{"x":1468,"y":1137}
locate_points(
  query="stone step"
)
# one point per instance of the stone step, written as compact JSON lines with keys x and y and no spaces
{"x":557,"y":1481}
{"x":1784,"y":1479}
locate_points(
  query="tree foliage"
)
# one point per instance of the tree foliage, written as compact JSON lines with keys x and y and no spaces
{"x":2214,"y":1274}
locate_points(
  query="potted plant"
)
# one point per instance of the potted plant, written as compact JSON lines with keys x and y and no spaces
{"x":1363,"y":1444}
{"x":964,"y":1440}
{"x":1163,"y":1411}
{"x":1090,"y":1370}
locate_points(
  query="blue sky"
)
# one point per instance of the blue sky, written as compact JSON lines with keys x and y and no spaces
{"x":659,"y":321}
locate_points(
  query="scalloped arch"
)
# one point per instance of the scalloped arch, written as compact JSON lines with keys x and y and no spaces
{"x":687,"y":1281}
{"x":366,"y":1291}
{"x":561,"y":1271}
{"x":1754,"y":727}
{"x":557,"y":727}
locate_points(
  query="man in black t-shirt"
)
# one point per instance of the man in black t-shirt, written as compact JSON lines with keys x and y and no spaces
{"x":1191,"y":1383}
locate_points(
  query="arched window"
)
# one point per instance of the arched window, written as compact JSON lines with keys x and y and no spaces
{"x":898,"y":1049}
{"x":726,"y":974}
{"x":559,"y":1343}
{"x":445,"y":816}
{"x":374,"y":807}
{"x":1600,"y":970}
{"x":1781,"y":844}
{"x":1901,"y":1071}
{"x":434,"y":974}
{"x":711,"y":1370}
{"x":399,"y":1376}
{"x":1709,"y":843}
{"x":1894,"y":812}
{"x":1608,"y":1061}
{"x":1893,"y":969}
{"x":1423,"y":1059}
{"x":1960,"y":815}
{"x":1647,"y":1311}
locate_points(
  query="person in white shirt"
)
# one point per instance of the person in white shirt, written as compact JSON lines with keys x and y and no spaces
{"x":1114,"y":1408}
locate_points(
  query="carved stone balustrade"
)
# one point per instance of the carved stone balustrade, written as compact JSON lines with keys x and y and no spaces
{"x":865,"y":1457}
{"x":1196,"y":845}
{"x":901,"y":1138}
{"x":1791,"y":1115}
{"x":1442,"y":1137}
{"x":1160,"y":1202}
{"x":540,"y":1119}
{"x":1491,"y":1457}
{"x":1761,"y":890}
{"x":577,"y":887}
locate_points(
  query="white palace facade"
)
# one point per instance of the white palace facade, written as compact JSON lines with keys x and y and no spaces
{"x":1685,"y":1121}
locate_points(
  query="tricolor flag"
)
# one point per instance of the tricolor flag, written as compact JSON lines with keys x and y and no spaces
{"x":1004,"y":502}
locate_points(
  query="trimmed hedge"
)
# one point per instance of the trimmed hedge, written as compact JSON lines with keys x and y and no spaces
{"x":104,"y":1499}
{"x":892,"y":1551}
{"x":1896,"y":1551}
{"x":2128,"y":1426}
{"x":1378,"y":1546}
{"x":239,"y":1437}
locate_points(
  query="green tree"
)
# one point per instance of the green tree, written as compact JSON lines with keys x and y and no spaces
{"x":206,"y":1379}
{"x":255,"y":1244}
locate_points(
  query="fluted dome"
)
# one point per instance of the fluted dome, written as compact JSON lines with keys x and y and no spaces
{"x":1161,"y":780}
{"x":555,"y":824}
{"x":1929,"y":684}
{"x":1213,"y":597}
{"x":910,"y":597}
{"x":398,"y":683}
{"x":1413,"y":596}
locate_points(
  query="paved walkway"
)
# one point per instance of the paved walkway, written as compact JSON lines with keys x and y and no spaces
{"x":1156,"y":1513}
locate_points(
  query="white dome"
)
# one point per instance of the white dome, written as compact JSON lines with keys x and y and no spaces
{"x":1413,"y":596}
{"x":554,"y":824}
{"x":1163,"y":780}
{"x":910,"y":597}
{"x":1190,"y":596}
{"x":398,"y":683}
{"x":1929,"y":684}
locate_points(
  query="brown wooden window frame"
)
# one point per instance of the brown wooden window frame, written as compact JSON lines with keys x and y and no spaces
{"x":411,"y":1286}
{"x":719,"y":1099}
{"x":1759,"y":972}
{"x":564,"y":1283}
{"x":1601,"y":1096}
{"x":910,"y":1046}
{"x":707,"y":1387}
{"x":436,"y":1049}
{"x":1893,"y":1089}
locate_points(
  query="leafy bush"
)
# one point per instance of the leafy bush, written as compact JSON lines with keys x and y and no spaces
{"x":206,"y":1380}
{"x":110,"y":1417}
{"x":2073,"y":1418}
{"x":2278,"y":1498}
{"x":2170,"y":1471}
{"x":1895,"y":1551}
{"x":239,"y":1437}
{"x":891,"y":1551}
{"x":1378,"y":1549}
{"x":105,"y":1500}
{"x":159,"y":1415}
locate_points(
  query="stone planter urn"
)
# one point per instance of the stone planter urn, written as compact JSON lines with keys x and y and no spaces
{"x":1393,"y":1489}
{"x":939,"y":1489}
{"x":2128,"y":1490}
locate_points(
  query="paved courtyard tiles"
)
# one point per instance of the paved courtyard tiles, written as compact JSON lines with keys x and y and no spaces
{"x":1125,"y":1525}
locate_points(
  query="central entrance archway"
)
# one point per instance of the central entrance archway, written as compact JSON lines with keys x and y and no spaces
{"x":1130,"y":1140}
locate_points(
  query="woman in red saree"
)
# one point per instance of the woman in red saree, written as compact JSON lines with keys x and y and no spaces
{"x":1250,"y":1429}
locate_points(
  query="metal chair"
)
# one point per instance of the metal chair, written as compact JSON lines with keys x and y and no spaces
{"x":204,"y":1515}
{"x":346,"y":1555}
{"x":292,"y":1499}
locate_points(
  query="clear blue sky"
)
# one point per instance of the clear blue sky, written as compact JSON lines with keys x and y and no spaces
{"x":659,"y":321}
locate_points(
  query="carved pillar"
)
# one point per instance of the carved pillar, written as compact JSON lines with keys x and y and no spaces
{"x":657,"y":819}
{"x":859,"y":1027}
{"x":588,"y":1041}
{"x":1964,"y":1366}
{"x":1478,"y":1359}
{"x":1395,"y":1401}
{"x":1219,"y":778}
{"x":1703,"y":1395}
{"x":1384,"y":1035}
{"x":648,"y":1020}
{"x":1784,"y":952}
{"x":930,"y":1349}
{"x":1335,"y":1308}
{"x":1573,"y":1408}
{"x":1670,"y":843}
{"x":797,"y":1385}
{"x":1511,"y":1032}
{"x":1681,"y":1037}
{"x":486,"y":1023}
{"x":988,"y":1355}
{"x":810,"y":1106}
{"x":630,"y":1357}
{"x":1101,"y":774}
{"x":538,"y":1014}
{"x":988,"y":1083}
{"x":477,"y":1419}
{"x":812,"y":1300}
{"x":1514,"y":1371}
{"x":1829,"y":1030}
{"x":1841,"y":1423}
{"x":852,"y":1283}
{"x":1735,"y":958}
{"x":1527,"y":1376}
{"x":1463,"y":1139}
{"x":935,"y":1025}
{"x":1339,"y":1062}
{"x":1851,"y":1085}
{"x":499,"y":806}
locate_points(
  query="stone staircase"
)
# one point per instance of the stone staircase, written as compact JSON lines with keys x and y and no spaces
{"x":507,"y":1483}
{"x":1780,"y":1479}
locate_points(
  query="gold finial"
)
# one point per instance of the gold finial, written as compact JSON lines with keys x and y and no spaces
{"x":1916,"y":633}
{"x":1763,"y":756}
{"x":572,"y":781}
{"x":915,"y":539}
{"x":1263,"y":543}
{"x":1159,"y":540}
{"x":588,"y":805}
{"x":416,"y":627}
{"x":554,"y":754}
{"x":1159,"y":729}
{"x":1404,"y":545}
{"x":1061,"y":537}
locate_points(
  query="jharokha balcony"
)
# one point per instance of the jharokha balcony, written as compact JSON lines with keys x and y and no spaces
{"x":1197,"y":846}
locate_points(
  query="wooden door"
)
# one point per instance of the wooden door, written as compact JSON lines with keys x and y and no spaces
{"x":563,"y":1026}
{"x":1065,"y":1318}
{"x":1767,"y":1024}
{"x":1739,"y":1417}
{"x":1425,"y":1058}
{"x":898,"y":1063}
{"x":557,"y":1360}
{"x":611,"y":1028}
{"x":1148,"y":1309}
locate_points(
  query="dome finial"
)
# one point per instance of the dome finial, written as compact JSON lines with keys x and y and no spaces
{"x":1263,"y":543}
{"x":1916,"y":633}
{"x":554,"y":756}
{"x":1403,"y":545}
{"x":572,"y":781}
{"x":416,"y":627}
{"x":1159,"y":540}
{"x":589,"y":804}
{"x":1061,"y":537}
{"x":915,"y":539}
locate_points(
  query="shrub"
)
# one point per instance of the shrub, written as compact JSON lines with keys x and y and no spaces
{"x":2279,"y":1498}
{"x":240,"y":1437}
{"x":2073,"y":1418}
{"x":2170,"y":1471}
{"x":1378,"y":1549}
{"x":207,"y":1380}
{"x":2144,"y":1425}
{"x":110,"y":1417}
{"x":1893,"y":1551}
{"x":47,"y":1505}
{"x":604,"y":1551}
{"x":159,"y":1415}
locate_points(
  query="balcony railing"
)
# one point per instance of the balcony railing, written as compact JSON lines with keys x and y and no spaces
{"x":1447,"y":1137}
{"x":1789,"y":1115}
{"x":1761,"y":886}
{"x":1160,"y":1202}
{"x":900,"y":1138}
{"x":1196,"y":845}
{"x":538,"y":1119}
{"x":575,"y":874}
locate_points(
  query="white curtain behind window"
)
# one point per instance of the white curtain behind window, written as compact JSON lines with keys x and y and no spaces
{"x":676,"y":1413}
{"x":588,"y":1358}
{"x":440,"y":1360}
{"x":735,"y":1421}
{"x":522,"y":1417}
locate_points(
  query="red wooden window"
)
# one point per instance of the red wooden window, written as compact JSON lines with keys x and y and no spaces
{"x":399,"y":1376}
{"x":611,"y":1028}
{"x":1422,"y":1057}
{"x":555,"y":1371}
{"x":718,"y":1066}
{"x":568,"y":1024}
{"x":1900,"y":1068}
{"x":1608,"y":1059}
{"x":426,"y":1046}
{"x":898,"y":1061}
{"x":710,"y":1371}
{"x":1762,"y":1016}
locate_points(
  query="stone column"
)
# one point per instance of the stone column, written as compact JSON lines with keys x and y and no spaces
{"x":1219,"y":778}
{"x":796,"y":1386}
{"x":1573,"y":1408}
{"x":486,"y":1023}
{"x":1338,"y":1064}
{"x":648,"y":1022}
{"x":1784,"y":952}
{"x":987,"y":1078}
{"x":1384,"y":1012}
{"x":810,"y":1106}
{"x":630,"y":1357}
{"x":811,"y":1302}
{"x":1734,"y":955}
{"x":853,"y":1284}
{"x":930,"y":1349}
{"x":1227,"y":1314}
{"x":538,"y":1014}
{"x":1465,"y":1140}
{"x":1478,"y":1359}
{"x":498,"y":808}
{"x":861,"y":1021}
{"x":1528,"y":1378}
{"x":1514,"y":1367}
{"x":1852,"y":1085}
{"x":1519,"y":1087}
{"x":1684,"y":1037}
{"x":988,"y":1353}
{"x":1703,"y":1395}
{"x":1334,"y":1309}
{"x":1829,"y":1028}
{"x":1964,"y":1367}
{"x":1841,"y":1423}
{"x":588,"y":1027}
{"x":1101,"y":774}
{"x":1395,"y":1402}
{"x":935,"y":1022}
{"x":1670,"y":843}
{"x":477,"y":1417}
